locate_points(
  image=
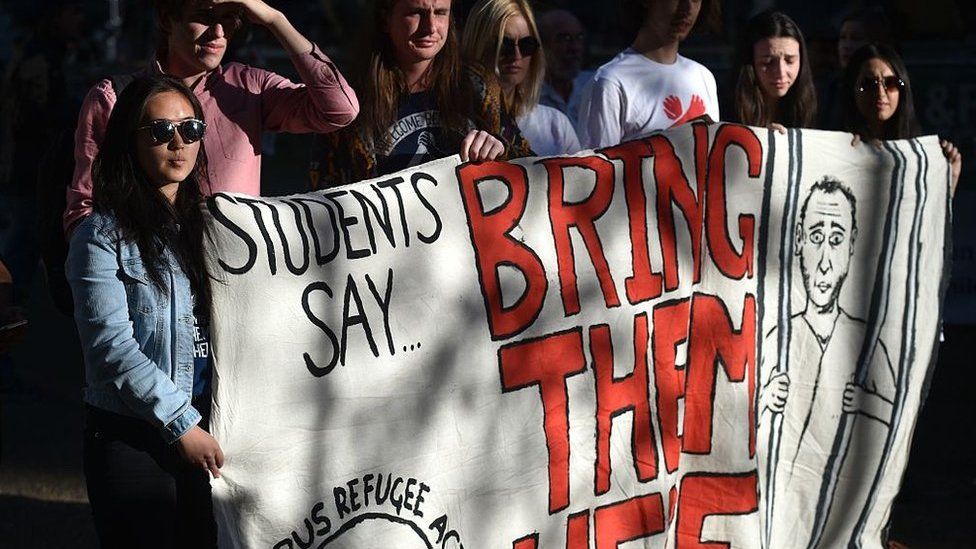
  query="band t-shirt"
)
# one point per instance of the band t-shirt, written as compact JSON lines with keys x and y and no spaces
{"x":632,"y":96}
{"x":416,"y":137}
{"x":201,"y":353}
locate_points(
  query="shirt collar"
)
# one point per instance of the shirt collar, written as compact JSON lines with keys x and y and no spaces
{"x":155,"y":68}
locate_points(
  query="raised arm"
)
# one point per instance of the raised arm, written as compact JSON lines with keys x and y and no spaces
{"x":322,"y":103}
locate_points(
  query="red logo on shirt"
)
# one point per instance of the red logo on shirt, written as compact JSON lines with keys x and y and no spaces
{"x":675,"y":110}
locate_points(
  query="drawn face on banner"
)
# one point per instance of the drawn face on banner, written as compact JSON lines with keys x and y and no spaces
{"x":825,"y":242}
{"x":418,"y":29}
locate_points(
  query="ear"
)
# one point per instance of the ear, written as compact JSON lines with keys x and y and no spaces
{"x":798,"y":237}
{"x":853,"y":240}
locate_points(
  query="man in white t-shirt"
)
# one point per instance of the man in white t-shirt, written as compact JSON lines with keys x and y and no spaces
{"x":649,"y":86}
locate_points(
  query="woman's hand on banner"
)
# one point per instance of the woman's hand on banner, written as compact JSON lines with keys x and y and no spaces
{"x":199,"y":448}
{"x":954,"y":157}
{"x":479,"y":146}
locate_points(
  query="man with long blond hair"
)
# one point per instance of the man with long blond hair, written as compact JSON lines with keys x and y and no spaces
{"x":418,"y":104}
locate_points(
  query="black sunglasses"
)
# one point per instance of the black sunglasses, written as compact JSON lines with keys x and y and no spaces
{"x":527,"y":46}
{"x":569,"y":38}
{"x":163,"y":131}
{"x":890,"y":83}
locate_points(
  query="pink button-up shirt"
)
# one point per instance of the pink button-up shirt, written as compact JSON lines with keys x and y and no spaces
{"x":239,"y":102}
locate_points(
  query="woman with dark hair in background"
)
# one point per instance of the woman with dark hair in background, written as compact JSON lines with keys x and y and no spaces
{"x":417,"y":103}
{"x":878,"y":102}
{"x":650,"y":86}
{"x":860,"y":26}
{"x":775,"y":84}
{"x":136,"y":269}
{"x":502,"y":35}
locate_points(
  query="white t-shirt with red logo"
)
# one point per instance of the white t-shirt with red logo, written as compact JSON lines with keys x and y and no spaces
{"x":632,"y":96}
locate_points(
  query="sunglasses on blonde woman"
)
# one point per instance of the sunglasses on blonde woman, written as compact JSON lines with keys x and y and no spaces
{"x":527,"y":46}
{"x":163,"y":131}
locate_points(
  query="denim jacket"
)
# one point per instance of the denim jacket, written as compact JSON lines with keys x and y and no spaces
{"x":137,"y":338}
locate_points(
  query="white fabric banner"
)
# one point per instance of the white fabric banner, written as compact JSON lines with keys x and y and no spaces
{"x":716,"y":336}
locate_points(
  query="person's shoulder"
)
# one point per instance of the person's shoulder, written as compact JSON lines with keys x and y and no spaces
{"x":621,"y":64}
{"x":552,"y":117}
{"x":847,"y":318}
{"x":482,"y":82}
{"x":103,"y":89}
{"x":96,"y":226}
{"x":102,"y":220}
{"x":584,"y":77}
{"x":477,"y":75}
{"x":690,"y":64}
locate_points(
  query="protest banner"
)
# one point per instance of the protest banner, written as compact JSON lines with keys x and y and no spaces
{"x":716,"y":336}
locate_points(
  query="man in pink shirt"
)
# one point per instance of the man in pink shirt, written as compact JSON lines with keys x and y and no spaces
{"x":239,"y":101}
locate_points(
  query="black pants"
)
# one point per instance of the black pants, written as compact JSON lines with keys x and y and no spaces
{"x":141,"y":491}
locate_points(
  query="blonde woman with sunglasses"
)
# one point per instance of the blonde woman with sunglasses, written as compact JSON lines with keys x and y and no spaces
{"x":502,"y":35}
{"x":419,"y":102}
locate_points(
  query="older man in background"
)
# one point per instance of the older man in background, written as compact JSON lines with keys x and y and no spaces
{"x":565,"y":45}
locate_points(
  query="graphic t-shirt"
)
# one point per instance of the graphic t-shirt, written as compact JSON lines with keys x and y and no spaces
{"x":416,"y":137}
{"x":201,"y":353}
{"x":632,"y":96}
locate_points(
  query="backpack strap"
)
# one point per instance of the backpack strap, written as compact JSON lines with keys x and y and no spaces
{"x":120,"y":81}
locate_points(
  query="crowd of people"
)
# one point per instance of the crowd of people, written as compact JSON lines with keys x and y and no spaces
{"x":148,"y":146}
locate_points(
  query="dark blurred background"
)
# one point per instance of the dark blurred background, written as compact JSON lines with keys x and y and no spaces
{"x":57,"y":49}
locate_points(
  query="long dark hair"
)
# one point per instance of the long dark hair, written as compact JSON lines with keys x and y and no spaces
{"x":143,"y":214}
{"x":902,"y":124}
{"x":798,"y":108}
{"x":381,"y":85}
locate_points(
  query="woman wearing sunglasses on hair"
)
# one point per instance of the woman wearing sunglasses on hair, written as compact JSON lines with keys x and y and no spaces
{"x":502,"y":34}
{"x":141,"y":296}
{"x":878,"y":102}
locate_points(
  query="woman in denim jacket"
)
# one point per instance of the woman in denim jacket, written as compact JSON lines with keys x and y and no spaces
{"x":136,"y":270}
